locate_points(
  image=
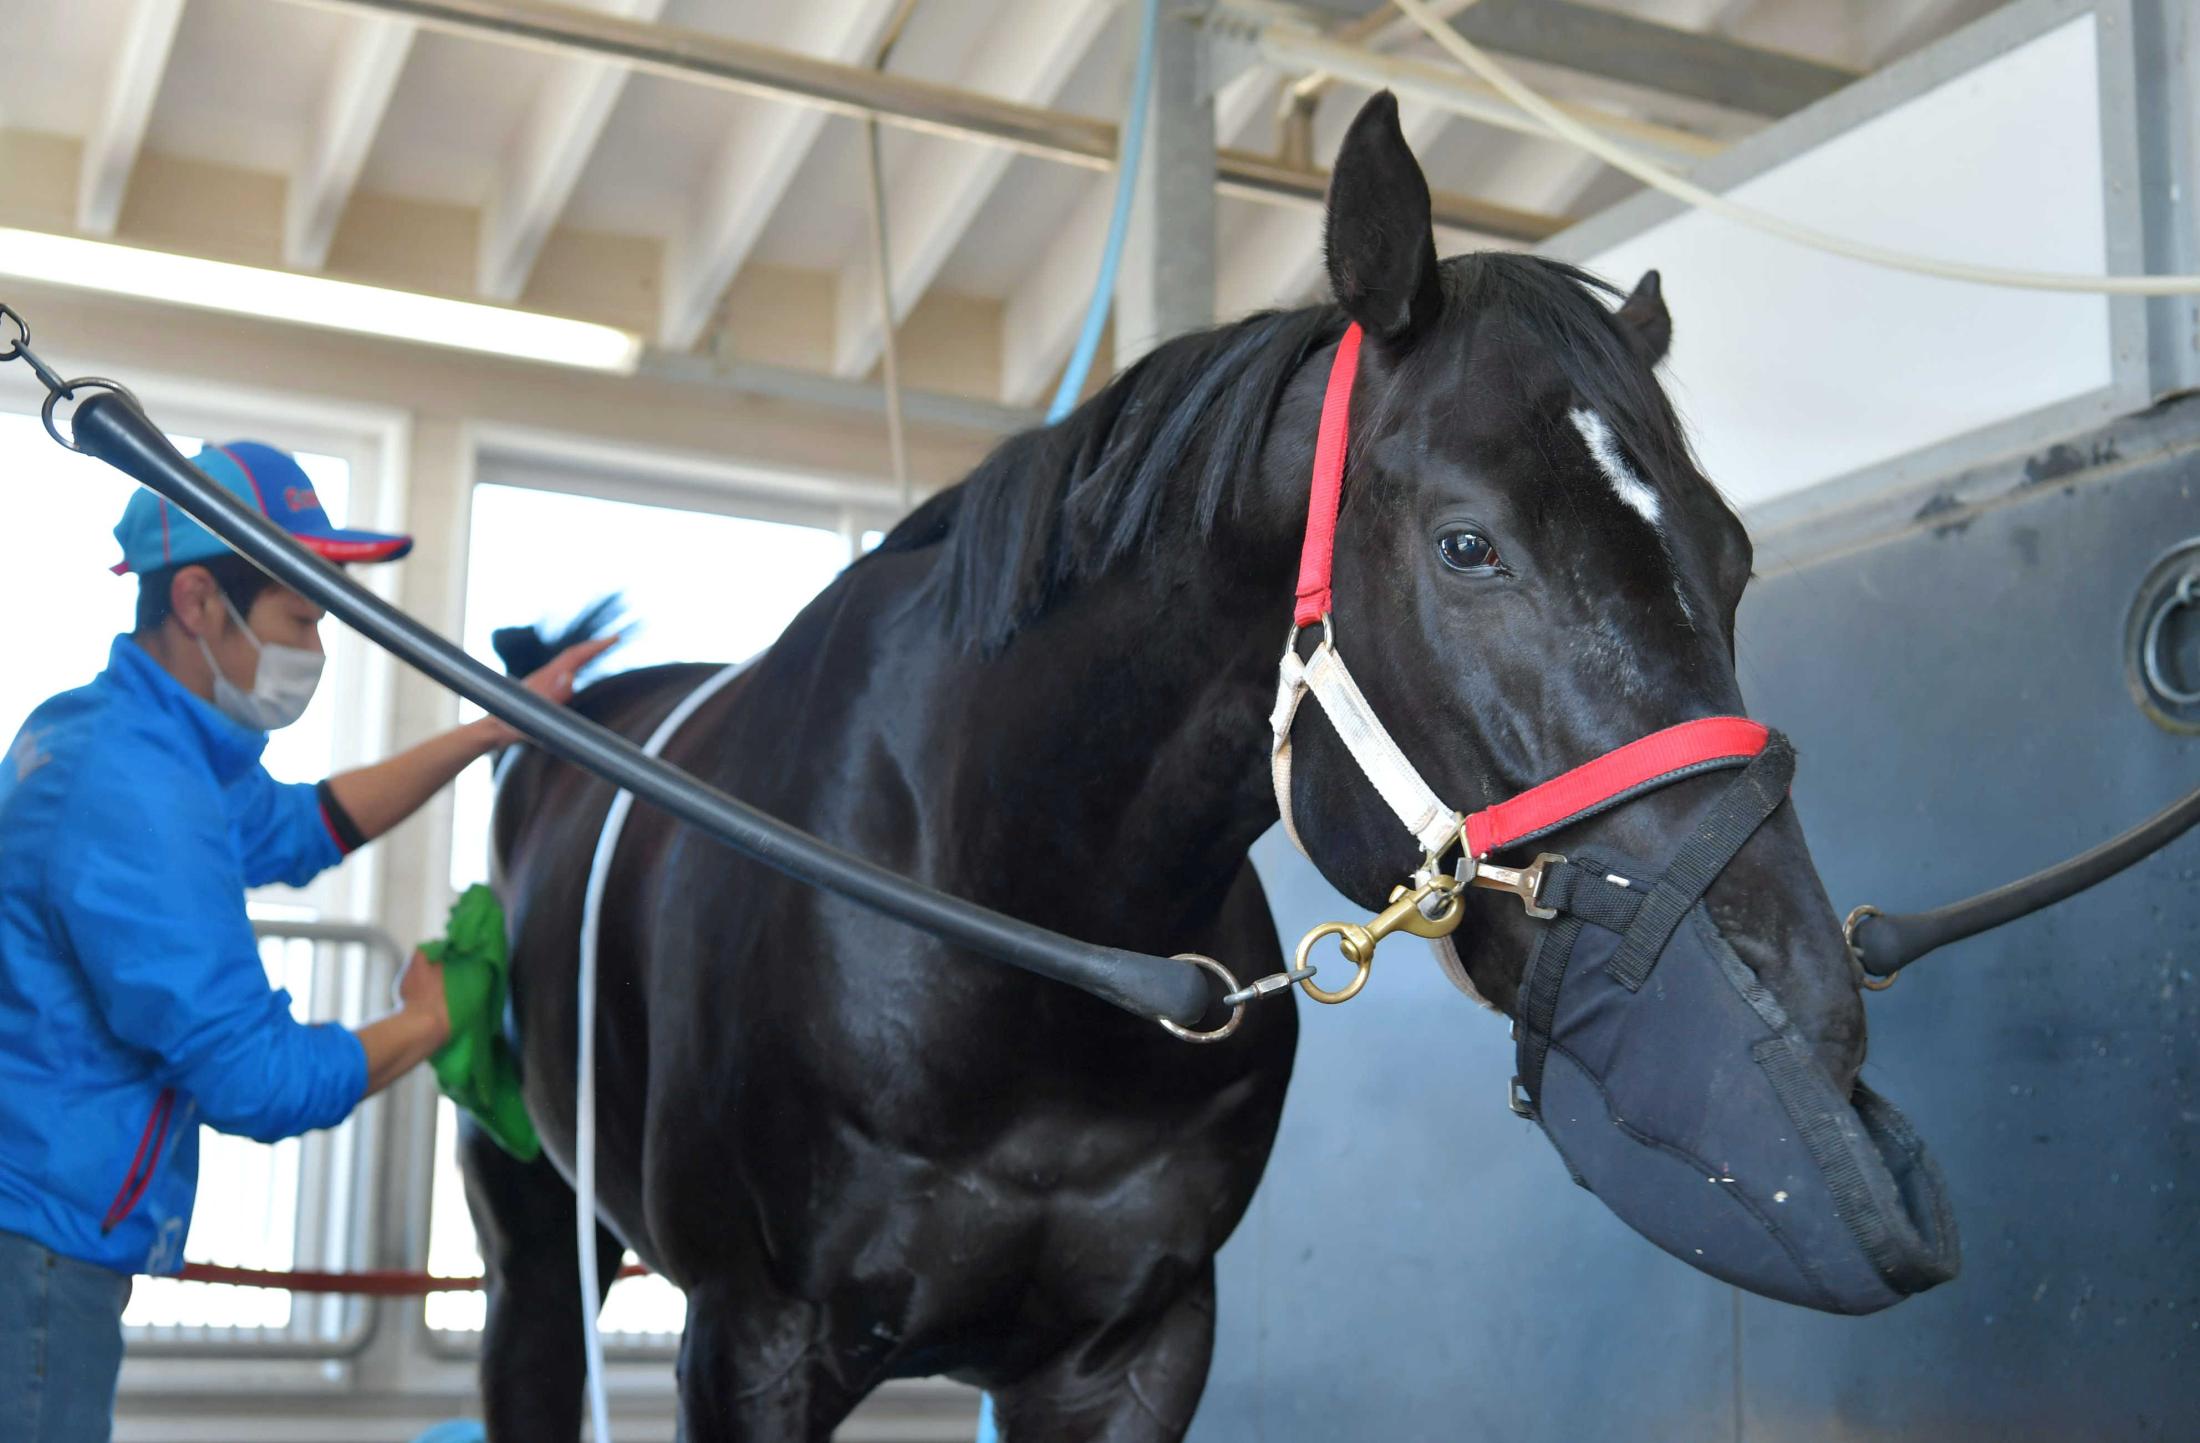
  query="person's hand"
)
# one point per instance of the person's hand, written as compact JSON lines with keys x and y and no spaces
{"x":420,"y":995}
{"x":552,"y":682}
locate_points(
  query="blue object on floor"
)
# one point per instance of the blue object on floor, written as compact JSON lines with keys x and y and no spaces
{"x":987,"y":1433}
{"x":458,"y":1430}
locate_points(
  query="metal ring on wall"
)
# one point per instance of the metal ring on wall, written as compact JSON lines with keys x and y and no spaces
{"x":2161,"y":660}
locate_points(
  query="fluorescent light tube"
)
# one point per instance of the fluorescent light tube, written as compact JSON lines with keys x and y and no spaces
{"x":315,"y":301}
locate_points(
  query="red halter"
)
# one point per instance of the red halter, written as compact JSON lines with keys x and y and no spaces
{"x":1619,"y":775}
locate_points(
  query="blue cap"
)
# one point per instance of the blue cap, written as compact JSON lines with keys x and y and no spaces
{"x":155,"y":533}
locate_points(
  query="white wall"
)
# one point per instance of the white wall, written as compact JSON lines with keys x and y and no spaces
{"x":1794,"y":367}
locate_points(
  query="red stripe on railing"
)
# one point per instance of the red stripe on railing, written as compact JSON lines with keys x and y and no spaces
{"x":368,"y":1283}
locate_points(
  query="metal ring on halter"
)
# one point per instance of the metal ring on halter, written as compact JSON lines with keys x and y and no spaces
{"x":1229,"y":984}
{"x":1329,"y":636}
{"x":1855,"y":919}
{"x":1358,"y":947}
{"x":69,"y":388}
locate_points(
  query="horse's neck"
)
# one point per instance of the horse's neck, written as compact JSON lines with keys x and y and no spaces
{"x":1122,"y":740}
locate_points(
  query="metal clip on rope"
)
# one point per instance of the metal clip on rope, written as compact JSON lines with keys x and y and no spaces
{"x":57,"y":390}
{"x":1429,"y":907}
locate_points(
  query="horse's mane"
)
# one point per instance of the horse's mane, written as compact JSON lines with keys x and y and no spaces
{"x":1060,"y":504}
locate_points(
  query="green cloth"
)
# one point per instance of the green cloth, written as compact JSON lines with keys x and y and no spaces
{"x":476,"y":1068}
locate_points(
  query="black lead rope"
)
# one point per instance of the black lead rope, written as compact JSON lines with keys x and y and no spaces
{"x":109,"y":424}
{"x":1884,"y":945}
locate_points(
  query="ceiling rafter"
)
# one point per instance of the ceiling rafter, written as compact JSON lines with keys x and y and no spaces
{"x":1889,"y":29}
{"x":111,"y":149}
{"x":933,"y":203}
{"x":753,"y":170}
{"x":1652,"y":54}
{"x":357,"y":96}
{"x":544,"y":160}
{"x":1276,"y":258}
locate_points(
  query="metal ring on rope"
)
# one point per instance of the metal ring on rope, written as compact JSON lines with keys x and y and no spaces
{"x":68,"y":389}
{"x":1856,"y":918}
{"x":1229,"y":985}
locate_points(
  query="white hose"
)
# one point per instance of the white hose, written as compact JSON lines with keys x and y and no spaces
{"x":584,"y":1086}
{"x":1566,"y":128}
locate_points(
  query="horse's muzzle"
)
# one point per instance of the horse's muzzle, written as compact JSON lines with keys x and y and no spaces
{"x":1677,"y":1089}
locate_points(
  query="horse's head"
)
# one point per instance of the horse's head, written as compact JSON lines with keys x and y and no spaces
{"x":1530,"y":572}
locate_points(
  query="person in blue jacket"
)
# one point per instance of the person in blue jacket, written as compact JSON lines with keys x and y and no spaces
{"x":134,"y":814}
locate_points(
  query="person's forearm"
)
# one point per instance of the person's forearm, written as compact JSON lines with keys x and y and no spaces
{"x":398,"y":1043}
{"x":377,"y":798}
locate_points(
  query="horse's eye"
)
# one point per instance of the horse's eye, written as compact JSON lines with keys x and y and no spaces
{"x":1465,"y":550}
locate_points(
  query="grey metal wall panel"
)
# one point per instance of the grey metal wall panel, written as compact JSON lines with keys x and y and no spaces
{"x":1958,"y":700}
{"x":1417,"y":1265}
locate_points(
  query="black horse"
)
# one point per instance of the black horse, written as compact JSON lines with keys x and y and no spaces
{"x":865,"y":1155}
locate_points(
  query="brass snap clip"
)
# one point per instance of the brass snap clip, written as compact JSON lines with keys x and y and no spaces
{"x":1431,"y":909}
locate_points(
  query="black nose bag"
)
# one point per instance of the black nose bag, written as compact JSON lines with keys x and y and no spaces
{"x":1677,"y":1090}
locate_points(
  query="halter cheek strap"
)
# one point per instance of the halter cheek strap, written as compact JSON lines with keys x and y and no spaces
{"x":1323,"y":673}
{"x":1620,"y":775}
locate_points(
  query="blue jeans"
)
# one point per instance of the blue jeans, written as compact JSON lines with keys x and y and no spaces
{"x":60,"y":1345}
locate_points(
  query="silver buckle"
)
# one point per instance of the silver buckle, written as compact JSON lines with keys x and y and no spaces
{"x":1526,"y":883}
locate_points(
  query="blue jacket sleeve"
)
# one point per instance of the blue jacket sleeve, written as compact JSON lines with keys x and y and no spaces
{"x":281,"y":833}
{"x":152,"y":902}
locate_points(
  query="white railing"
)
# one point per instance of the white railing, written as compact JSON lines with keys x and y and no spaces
{"x":343,"y":1199}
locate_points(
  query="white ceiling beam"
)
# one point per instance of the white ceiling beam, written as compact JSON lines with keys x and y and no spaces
{"x":1039,"y":324}
{"x":357,"y":96}
{"x":752,"y":172}
{"x":1028,"y":56}
{"x":111,"y":150}
{"x":544,"y":161}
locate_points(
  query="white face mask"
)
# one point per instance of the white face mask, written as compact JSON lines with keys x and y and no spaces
{"x":282,"y":683}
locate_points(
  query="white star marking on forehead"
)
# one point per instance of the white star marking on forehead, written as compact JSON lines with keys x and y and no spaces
{"x":1634,"y":493}
{"x":1639,"y":498}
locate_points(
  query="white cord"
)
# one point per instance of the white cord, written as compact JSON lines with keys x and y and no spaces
{"x":584,"y":1086}
{"x":889,"y":353}
{"x":1566,"y":128}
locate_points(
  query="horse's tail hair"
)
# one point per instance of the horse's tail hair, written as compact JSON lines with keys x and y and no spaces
{"x":528,"y":649}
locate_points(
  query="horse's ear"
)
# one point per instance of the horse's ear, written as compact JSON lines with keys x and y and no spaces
{"x":1649,"y":326}
{"x":1381,"y":249}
